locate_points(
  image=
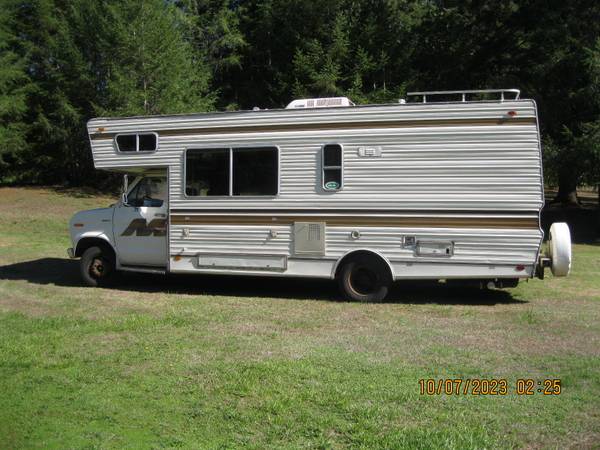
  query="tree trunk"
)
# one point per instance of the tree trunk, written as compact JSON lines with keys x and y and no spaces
{"x":567,"y":189}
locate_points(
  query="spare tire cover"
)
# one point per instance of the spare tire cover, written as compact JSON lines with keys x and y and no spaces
{"x":559,"y":248}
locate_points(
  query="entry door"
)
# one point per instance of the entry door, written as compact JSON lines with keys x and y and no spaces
{"x":140,"y":227}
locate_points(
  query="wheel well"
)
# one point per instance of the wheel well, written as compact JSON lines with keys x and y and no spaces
{"x":358,"y":253}
{"x":86,"y":243}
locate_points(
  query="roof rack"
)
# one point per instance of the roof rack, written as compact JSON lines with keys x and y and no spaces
{"x":464,"y":94}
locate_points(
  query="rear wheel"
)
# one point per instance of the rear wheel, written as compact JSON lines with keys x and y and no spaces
{"x":365,"y":278}
{"x":96,"y":266}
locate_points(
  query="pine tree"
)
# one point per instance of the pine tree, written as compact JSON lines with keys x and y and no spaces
{"x":14,"y":90}
{"x":77,"y":59}
{"x":215,"y":29}
{"x":64,"y":61}
{"x":152,"y":67}
{"x":52,"y":119}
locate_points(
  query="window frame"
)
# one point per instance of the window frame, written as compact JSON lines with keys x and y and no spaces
{"x":231,"y":149}
{"x":137,"y":142}
{"x":324,"y":167}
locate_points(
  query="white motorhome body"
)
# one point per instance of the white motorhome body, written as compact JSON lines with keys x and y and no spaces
{"x":424,"y":190}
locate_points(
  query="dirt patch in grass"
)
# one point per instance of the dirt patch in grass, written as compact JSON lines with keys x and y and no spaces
{"x":13,"y":300}
{"x":6,"y":242}
{"x":107,"y":343}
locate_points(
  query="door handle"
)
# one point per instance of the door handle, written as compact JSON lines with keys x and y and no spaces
{"x":160,"y":215}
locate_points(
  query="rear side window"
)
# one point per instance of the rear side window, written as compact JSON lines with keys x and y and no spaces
{"x":232,"y":172}
{"x":333,"y":166}
{"x":137,"y":142}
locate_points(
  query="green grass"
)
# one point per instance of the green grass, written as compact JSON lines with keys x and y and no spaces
{"x":209,"y":362}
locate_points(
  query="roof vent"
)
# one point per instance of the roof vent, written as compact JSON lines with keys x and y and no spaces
{"x":327,"y":102}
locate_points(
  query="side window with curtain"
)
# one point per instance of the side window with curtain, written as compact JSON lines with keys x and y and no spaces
{"x":207,"y":172}
{"x":255,"y":171}
{"x":239,"y":172}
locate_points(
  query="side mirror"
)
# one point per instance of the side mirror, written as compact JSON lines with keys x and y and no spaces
{"x":124,"y":190}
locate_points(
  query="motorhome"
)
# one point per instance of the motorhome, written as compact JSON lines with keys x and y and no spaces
{"x":447,"y":185}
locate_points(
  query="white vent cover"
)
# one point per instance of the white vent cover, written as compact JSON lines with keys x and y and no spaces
{"x":327,"y":102}
{"x":309,"y":238}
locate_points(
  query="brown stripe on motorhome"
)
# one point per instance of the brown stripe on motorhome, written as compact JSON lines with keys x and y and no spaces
{"x":336,"y":126}
{"x":373,"y":221}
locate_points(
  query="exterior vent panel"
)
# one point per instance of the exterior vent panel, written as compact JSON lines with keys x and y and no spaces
{"x":309,"y":238}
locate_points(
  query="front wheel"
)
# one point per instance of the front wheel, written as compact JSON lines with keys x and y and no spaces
{"x":96,"y":266}
{"x":365,"y":279}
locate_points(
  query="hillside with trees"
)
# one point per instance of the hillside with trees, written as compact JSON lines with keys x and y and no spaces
{"x":65,"y":61}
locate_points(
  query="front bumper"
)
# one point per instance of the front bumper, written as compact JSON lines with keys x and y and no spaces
{"x":71,"y":253}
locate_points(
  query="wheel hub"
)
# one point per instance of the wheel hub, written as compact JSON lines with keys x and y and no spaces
{"x":363,"y":280}
{"x":97,"y":268}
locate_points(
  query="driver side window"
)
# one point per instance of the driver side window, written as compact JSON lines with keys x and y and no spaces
{"x":149,"y":192}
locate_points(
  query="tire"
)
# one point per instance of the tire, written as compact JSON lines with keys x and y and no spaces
{"x":365,"y":279}
{"x":559,"y":247}
{"x":96,"y":267}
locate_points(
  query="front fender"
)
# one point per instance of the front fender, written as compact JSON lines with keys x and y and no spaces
{"x":78,"y":238}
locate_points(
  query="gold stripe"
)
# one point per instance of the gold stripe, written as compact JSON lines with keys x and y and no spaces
{"x":336,"y":125}
{"x":438,"y":222}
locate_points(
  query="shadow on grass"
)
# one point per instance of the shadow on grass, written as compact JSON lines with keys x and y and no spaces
{"x":584,"y":222}
{"x":65,"y":272}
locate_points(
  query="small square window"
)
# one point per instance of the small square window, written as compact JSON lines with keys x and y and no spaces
{"x":127,"y":142}
{"x":147,"y":142}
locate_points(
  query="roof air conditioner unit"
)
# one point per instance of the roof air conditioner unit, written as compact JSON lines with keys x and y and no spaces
{"x":327,"y":102}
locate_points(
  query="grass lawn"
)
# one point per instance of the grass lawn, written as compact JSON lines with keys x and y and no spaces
{"x":224,"y":362}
